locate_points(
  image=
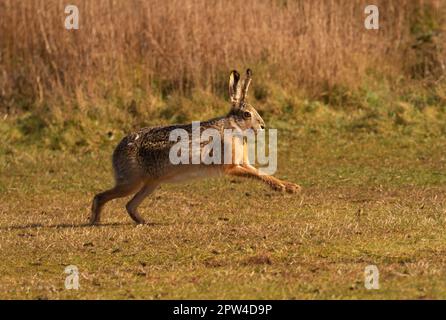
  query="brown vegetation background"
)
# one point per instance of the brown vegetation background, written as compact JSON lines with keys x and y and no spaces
{"x":361,"y":120}
{"x":162,"y":46}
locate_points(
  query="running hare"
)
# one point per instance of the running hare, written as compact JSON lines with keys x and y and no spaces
{"x":141,"y":160}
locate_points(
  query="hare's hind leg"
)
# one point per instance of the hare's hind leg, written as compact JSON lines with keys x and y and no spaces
{"x":119,"y":191}
{"x":132,"y":205}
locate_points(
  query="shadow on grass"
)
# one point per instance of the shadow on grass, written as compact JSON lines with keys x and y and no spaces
{"x":73,"y":225}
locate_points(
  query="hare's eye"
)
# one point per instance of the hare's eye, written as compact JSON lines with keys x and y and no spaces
{"x":246,"y":114}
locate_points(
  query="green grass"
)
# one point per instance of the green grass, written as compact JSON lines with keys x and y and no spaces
{"x":371,"y":163}
{"x":374,"y":193}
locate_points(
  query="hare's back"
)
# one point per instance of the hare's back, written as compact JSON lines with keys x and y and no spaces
{"x":152,"y":146}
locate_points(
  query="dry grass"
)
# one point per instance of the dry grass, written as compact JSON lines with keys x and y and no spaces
{"x":368,"y":199}
{"x":128,"y":49}
{"x":370,"y":159}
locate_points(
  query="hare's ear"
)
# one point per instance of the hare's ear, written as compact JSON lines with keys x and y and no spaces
{"x":234,"y":88}
{"x":246,"y":84}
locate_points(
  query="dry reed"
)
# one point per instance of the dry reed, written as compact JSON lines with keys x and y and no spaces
{"x":179,"y":45}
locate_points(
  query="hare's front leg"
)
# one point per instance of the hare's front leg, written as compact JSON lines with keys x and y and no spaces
{"x":289,"y":186}
{"x":274,"y":183}
{"x":252,"y":172}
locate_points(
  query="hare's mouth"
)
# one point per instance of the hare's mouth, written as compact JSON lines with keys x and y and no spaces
{"x":260,"y":128}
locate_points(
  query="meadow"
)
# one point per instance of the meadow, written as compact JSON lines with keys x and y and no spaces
{"x":361,"y":119}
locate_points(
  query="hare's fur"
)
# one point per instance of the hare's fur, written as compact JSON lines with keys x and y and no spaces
{"x":141,"y":160}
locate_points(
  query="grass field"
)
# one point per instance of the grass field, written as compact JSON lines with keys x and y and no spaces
{"x":369,"y":197}
{"x":361,"y":119}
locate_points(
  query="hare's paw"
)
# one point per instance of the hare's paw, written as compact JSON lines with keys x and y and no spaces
{"x":278,"y":186}
{"x":292,"y":187}
{"x":93,"y":219}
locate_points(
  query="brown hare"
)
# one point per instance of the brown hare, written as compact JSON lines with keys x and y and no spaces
{"x":141,"y":160}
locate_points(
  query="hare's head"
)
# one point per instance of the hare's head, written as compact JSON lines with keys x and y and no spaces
{"x":244,"y":114}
